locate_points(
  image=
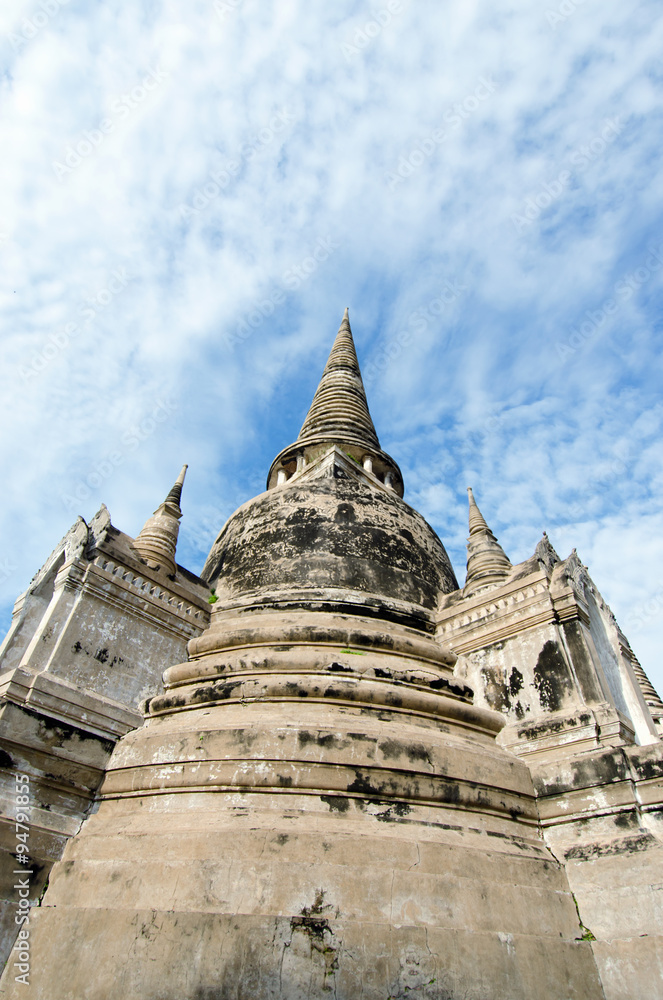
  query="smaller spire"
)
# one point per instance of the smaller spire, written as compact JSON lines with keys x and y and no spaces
{"x":649,"y":692}
{"x":487,"y":563}
{"x":477,"y":522}
{"x":157,"y":539}
{"x":175,"y":494}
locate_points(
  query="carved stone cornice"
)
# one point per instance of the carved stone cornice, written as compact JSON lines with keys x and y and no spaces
{"x":58,"y":699}
{"x":495,"y":615}
{"x":502,"y":612}
{"x":141,"y":597}
{"x":569,"y":606}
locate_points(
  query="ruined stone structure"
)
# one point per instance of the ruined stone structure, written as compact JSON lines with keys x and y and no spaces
{"x":353,"y":778}
{"x":86,"y":646}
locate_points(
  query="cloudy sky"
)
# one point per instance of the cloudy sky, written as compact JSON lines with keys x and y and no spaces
{"x":191,"y":193}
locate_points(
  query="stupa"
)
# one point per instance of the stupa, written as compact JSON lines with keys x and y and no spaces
{"x":347,"y":788}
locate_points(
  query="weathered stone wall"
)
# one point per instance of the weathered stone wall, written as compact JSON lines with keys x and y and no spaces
{"x":543,"y":648}
{"x":304,"y":847}
{"x":87,"y":645}
{"x":602,"y":816}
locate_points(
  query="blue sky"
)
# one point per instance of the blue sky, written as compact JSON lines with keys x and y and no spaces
{"x":191,"y":195}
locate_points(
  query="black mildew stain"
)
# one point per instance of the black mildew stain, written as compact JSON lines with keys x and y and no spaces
{"x":551,"y":677}
{"x":336,"y":803}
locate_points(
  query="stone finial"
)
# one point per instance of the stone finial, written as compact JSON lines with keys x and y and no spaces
{"x":477,"y":522}
{"x":338,"y":416}
{"x":546,"y":554}
{"x":175,"y":494}
{"x":157,"y":540}
{"x":487,"y":562}
{"x":339,"y":408}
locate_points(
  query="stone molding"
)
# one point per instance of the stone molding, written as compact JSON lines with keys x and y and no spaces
{"x":59,"y":700}
{"x":586,"y":789}
{"x":185,"y":616}
{"x":497,"y":614}
{"x":560,"y":734}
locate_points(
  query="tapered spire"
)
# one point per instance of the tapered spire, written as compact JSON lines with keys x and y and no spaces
{"x":157,"y":540}
{"x":175,"y":494}
{"x":339,"y":407}
{"x":338,"y":416}
{"x":487,"y":562}
{"x":477,"y":521}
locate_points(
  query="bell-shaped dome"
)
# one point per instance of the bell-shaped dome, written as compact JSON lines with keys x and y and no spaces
{"x":335,"y":535}
{"x":332,"y":532}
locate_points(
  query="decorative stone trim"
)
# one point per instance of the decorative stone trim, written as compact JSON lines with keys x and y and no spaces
{"x":503,"y":615}
{"x":62,"y":701}
{"x":146,"y":586}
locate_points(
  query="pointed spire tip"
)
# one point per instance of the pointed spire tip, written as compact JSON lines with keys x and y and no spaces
{"x":477,"y":522}
{"x":487,"y":562}
{"x":339,"y":409}
{"x":175,"y":494}
{"x":157,"y":539}
{"x":338,"y":415}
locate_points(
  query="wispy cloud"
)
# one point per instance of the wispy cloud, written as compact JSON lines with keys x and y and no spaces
{"x":214,"y":181}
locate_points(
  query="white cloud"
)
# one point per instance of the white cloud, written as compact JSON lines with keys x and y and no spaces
{"x":477,"y":394}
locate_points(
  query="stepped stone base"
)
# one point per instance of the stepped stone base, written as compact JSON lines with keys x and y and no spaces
{"x":299,"y":851}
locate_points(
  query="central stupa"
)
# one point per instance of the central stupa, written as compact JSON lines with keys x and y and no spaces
{"x":314,"y":807}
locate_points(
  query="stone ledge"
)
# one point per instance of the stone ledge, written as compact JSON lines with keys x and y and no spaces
{"x":567,"y":734}
{"x":352,"y":689}
{"x":66,"y":703}
{"x":339,"y":781}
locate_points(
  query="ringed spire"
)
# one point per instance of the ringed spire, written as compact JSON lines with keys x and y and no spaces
{"x":157,"y":539}
{"x":339,"y":407}
{"x":175,"y":494}
{"x":487,"y":563}
{"x":338,"y":417}
{"x":476,"y":518}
